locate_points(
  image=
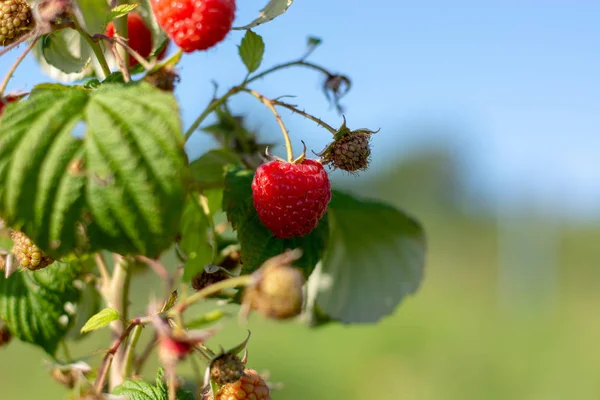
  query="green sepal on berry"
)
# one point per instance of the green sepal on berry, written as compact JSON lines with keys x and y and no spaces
{"x":350,"y":150}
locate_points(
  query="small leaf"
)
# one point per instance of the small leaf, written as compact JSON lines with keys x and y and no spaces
{"x":66,"y":51}
{"x":209,"y":170}
{"x":313,"y":42}
{"x":251,"y":50}
{"x":100,"y":320}
{"x":170,"y":301}
{"x":257,"y":241}
{"x":206,"y":319}
{"x":119,"y":11}
{"x":33,"y":304}
{"x":195,"y":241}
{"x":141,"y":390}
{"x":271,"y":11}
{"x":375,"y":258}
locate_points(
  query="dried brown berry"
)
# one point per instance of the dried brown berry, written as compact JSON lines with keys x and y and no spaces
{"x":26,"y":252}
{"x":227,"y":368}
{"x":164,"y":79}
{"x":16,"y":20}
{"x":278,"y":292}
{"x":350,"y":150}
{"x":250,"y":387}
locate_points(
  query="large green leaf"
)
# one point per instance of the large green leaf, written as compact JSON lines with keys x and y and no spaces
{"x":195,"y":240}
{"x":374,"y":259}
{"x":142,"y":390}
{"x":208,"y":171}
{"x":272,"y":10}
{"x":257,"y":241}
{"x":110,"y":161}
{"x":33,"y":304}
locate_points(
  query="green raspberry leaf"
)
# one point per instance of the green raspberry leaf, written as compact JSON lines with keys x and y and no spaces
{"x":89,"y":170}
{"x":257,"y":241}
{"x":142,"y":390}
{"x":271,"y":11}
{"x":375,"y":258}
{"x":65,"y":51}
{"x":100,"y":320}
{"x":119,"y":11}
{"x":252,"y":50}
{"x":34,"y":304}
{"x":209,"y":170}
{"x":195,"y":242}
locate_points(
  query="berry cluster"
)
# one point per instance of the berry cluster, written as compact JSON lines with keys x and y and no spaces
{"x":27,"y":253}
{"x":15,"y":20}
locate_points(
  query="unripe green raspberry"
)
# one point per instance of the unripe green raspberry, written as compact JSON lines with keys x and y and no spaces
{"x":15,"y":20}
{"x":28,"y":255}
{"x":227,"y":368}
{"x":278,"y":292}
{"x":350,"y":151}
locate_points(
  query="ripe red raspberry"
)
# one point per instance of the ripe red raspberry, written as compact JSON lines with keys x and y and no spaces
{"x":195,"y":24}
{"x":140,"y":37}
{"x":250,"y":387}
{"x":291,"y":198}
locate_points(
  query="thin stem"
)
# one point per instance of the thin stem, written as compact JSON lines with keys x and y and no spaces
{"x":306,"y":115}
{"x":101,"y":263}
{"x":159,"y":270}
{"x":215,"y":288}
{"x":67,"y":352}
{"x":119,"y":293}
{"x":107,"y":361}
{"x":121,"y":30}
{"x":19,"y":41}
{"x":14,"y":67}
{"x":96,"y":49}
{"x":271,"y":106}
{"x":141,"y":60}
{"x":141,"y":360}
{"x":214,"y":104}
{"x":129,"y":352}
{"x":299,"y":63}
{"x":172,"y":384}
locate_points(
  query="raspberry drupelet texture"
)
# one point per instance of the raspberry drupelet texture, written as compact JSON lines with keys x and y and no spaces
{"x":16,"y":20}
{"x":195,"y":24}
{"x":27,"y":253}
{"x":250,"y":387}
{"x":291,"y":198}
{"x":140,"y":37}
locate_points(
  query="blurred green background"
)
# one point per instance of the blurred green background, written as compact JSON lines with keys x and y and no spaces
{"x":473,"y":331}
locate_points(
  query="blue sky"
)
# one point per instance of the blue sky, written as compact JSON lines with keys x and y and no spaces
{"x":513,"y":86}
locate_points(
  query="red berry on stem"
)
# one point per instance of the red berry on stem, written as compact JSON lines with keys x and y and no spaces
{"x":195,"y":24}
{"x":291,"y":198}
{"x":140,"y":37}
